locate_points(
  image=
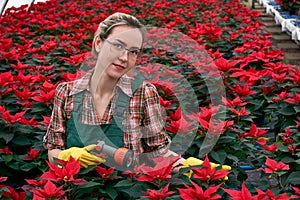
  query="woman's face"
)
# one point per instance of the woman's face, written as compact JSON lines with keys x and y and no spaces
{"x":119,"y":51}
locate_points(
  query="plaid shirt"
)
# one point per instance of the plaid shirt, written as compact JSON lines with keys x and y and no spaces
{"x":143,"y":122}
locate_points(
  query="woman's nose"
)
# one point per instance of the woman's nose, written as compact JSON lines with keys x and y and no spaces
{"x":123,"y":55}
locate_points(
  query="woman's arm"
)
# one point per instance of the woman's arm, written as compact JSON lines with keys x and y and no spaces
{"x":155,"y":139}
{"x":54,"y":139}
{"x":53,"y":153}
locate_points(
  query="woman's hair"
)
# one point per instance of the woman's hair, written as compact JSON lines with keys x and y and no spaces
{"x":114,"y":20}
{"x":117,"y":19}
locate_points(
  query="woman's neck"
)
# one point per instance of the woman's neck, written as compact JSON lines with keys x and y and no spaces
{"x":103,"y":85}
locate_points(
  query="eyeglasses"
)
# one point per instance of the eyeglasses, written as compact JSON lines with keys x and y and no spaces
{"x":119,"y":48}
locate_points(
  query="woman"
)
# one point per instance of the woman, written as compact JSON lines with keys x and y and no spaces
{"x":85,"y":109}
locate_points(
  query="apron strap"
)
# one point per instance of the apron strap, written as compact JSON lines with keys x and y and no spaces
{"x":123,"y":100}
{"x":121,"y":104}
{"x":77,"y":102}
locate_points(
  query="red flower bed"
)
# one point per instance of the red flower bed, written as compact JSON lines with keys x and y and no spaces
{"x":257,"y":117}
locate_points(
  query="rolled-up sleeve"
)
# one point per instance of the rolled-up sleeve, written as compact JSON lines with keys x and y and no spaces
{"x":146,"y":130}
{"x":56,"y":132}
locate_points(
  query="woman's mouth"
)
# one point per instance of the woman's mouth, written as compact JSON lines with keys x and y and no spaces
{"x":119,"y":67}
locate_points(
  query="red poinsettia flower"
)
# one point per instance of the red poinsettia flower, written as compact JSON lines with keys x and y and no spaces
{"x":224,"y":65}
{"x":35,"y":182}
{"x":70,"y":77}
{"x":5,"y":78}
{"x":173,"y":126}
{"x":64,"y":173}
{"x":293,"y":100}
{"x":254,"y":132}
{"x":44,"y":97}
{"x":176,"y":115}
{"x":270,"y":195}
{"x":32,"y":184}
{"x":196,"y":192}
{"x":235,"y":102}
{"x":12,"y":119}
{"x":293,"y":148}
{"x":287,"y":136}
{"x":149,"y":69}
{"x":104,"y":172}
{"x":274,"y":166}
{"x":49,"y":87}
{"x":11,"y":193}
{"x":295,"y":76}
{"x":282,"y":95}
{"x":50,"y":191}
{"x":46,"y":120}
{"x":187,"y":126}
{"x":20,"y":67}
{"x":279,"y":77}
{"x":3,"y":178}
{"x":244,"y":194}
{"x":161,"y":171}
{"x":271,"y":148}
{"x":5,"y":151}
{"x":31,"y":122}
{"x":241,"y":112}
{"x":297,"y":191}
{"x":209,"y":173}
{"x":24,"y":80}
{"x":242,"y":90}
{"x":11,"y":54}
{"x":250,"y":76}
{"x":267,"y":90}
{"x":77,"y":59}
{"x":158,"y":194}
{"x":32,"y":154}
{"x":24,"y":95}
{"x":44,"y":68}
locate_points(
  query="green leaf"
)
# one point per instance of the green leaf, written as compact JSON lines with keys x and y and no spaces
{"x":293,"y":178}
{"x":7,"y":136}
{"x":89,"y":184}
{"x":136,"y":190}
{"x":288,"y":111}
{"x":7,"y":158}
{"x":232,"y":157}
{"x":297,"y":161}
{"x":218,"y":156}
{"x":297,"y":109}
{"x":112,"y":192}
{"x":287,"y":160}
{"x":87,"y":170}
{"x":123,"y":183}
{"x":295,"y":89}
{"x":27,"y":166}
{"x":280,"y":173}
{"x":14,"y":165}
{"x":21,"y":140}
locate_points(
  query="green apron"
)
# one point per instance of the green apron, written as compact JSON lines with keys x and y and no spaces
{"x":80,"y":134}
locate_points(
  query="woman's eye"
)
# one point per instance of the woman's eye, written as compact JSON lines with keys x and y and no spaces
{"x":119,"y":46}
{"x":135,"y":52}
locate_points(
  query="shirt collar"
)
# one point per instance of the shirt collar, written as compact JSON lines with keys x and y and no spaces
{"x":124,"y":83}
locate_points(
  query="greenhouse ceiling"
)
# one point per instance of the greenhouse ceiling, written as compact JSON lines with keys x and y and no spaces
{"x":4,"y":4}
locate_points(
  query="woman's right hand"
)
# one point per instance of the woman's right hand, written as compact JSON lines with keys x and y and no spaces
{"x":86,"y":159}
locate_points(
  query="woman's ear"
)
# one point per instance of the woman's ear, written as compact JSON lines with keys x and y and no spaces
{"x":97,"y":43}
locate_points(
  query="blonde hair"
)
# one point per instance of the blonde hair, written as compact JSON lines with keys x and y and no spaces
{"x":117,"y":19}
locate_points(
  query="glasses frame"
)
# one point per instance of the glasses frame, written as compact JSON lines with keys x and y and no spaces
{"x":122,"y":50}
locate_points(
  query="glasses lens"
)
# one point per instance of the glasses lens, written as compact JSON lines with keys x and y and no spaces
{"x":133,"y":53}
{"x":119,"y":49}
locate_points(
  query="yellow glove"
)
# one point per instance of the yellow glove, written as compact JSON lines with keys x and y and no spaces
{"x":82,"y":154}
{"x":191,"y":161}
